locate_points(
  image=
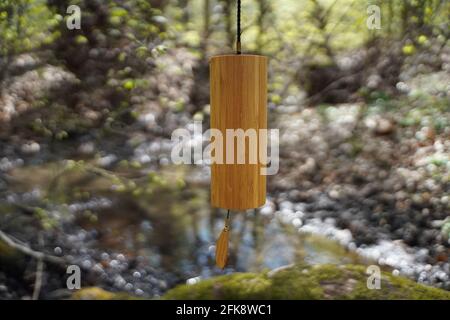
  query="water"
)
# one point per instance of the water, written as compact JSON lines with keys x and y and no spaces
{"x":155,"y":230}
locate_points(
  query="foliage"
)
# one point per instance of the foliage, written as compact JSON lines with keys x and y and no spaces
{"x":116,"y":43}
{"x":25,"y":25}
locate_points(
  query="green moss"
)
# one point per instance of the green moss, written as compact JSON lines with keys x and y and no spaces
{"x":306,"y":282}
{"x":96,"y":293}
{"x":237,"y":286}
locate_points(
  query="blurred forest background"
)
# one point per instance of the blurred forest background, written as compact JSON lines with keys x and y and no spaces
{"x":86,"y":118}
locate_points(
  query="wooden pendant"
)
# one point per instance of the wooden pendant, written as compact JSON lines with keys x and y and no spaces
{"x":222,"y":247}
{"x":238,"y":101}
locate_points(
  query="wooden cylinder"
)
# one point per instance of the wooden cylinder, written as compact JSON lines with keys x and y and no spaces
{"x":239,"y":101}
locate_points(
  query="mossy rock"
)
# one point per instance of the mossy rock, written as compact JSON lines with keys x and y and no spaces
{"x":96,"y":293}
{"x":306,"y":282}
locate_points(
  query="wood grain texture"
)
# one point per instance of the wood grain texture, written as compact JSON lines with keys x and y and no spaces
{"x":222,"y":248}
{"x":238,"y":101}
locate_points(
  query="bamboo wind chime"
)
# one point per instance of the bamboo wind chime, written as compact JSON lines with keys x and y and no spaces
{"x":238,"y":101}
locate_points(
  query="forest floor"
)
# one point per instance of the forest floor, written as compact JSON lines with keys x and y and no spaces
{"x":373,"y":176}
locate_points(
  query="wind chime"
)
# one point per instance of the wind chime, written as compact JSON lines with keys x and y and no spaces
{"x":238,"y":101}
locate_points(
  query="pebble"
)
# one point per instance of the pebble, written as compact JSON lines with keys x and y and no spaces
{"x":212,"y":250}
{"x":86,"y":148}
{"x":114,"y":263}
{"x":107,"y":160}
{"x":138,"y":292}
{"x":98,"y":268}
{"x":86,"y":264}
{"x":119,"y":281}
{"x":128,"y":287}
{"x":30,"y":148}
{"x":104,"y":256}
{"x":192,"y":281}
{"x":297,"y":222}
{"x":266,"y":210}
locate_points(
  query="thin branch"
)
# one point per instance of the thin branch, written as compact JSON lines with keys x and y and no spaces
{"x":39,"y":273}
{"x":30,"y":252}
{"x":330,"y":86}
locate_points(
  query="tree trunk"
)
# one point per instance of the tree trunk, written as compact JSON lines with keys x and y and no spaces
{"x":264,"y":10}
{"x":228,"y":16}
{"x":206,"y":28}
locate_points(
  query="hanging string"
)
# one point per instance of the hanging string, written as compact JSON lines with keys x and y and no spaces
{"x":222,"y":244}
{"x":238,"y":28}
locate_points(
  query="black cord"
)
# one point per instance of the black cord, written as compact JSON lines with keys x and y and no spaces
{"x":238,"y":29}
{"x":227,"y":221}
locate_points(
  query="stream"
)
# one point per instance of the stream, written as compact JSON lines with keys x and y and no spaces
{"x":144,"y":241}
